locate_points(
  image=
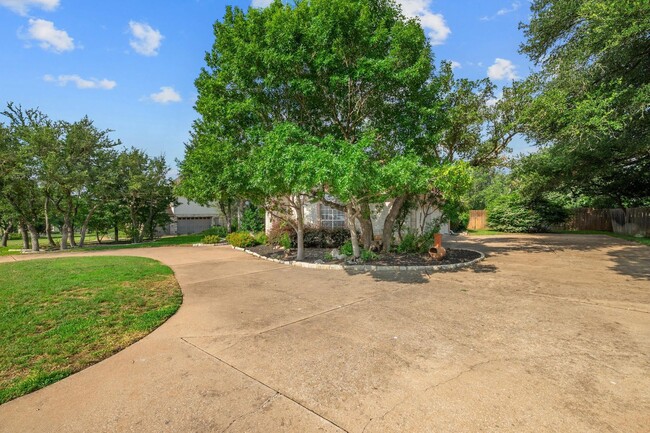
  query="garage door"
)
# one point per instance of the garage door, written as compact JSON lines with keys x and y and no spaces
{"x":193,"y":225}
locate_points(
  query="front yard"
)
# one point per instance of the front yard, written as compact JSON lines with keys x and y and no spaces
{"x":59,"y":316}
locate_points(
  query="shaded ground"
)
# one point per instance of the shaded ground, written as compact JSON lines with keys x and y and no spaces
{"x":319,"y":255}
{"x":550,"y":334}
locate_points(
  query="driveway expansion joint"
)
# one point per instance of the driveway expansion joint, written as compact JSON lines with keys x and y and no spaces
{"x":278,"y":392}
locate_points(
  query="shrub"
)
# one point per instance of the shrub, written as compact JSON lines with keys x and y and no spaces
{"x":512,"y":213}
{"x":253,"y":219}
{"x":368,"y":255}
{"x":210,"y":239}
{"x":261,"y":238}
{"x":285,"y":241}
{"x":316,"y":237}
{"x":216,"y":231}
{"x":346,"y":248}
{"x":278,"y":229}
{"x":240,"y":239}
{"x":408,"y":244}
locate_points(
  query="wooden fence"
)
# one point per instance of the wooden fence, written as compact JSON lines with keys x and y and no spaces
{"x":633,"y":221}
{"x":587,"y":219}
{"x":477,"y":220}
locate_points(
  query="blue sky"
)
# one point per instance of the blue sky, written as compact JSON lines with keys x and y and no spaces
{"x":130,"y":65}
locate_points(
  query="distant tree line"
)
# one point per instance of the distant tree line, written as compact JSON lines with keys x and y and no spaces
{"x":72,"y":176}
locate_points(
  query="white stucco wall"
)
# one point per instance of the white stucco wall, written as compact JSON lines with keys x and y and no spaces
{"x":379,"y":212}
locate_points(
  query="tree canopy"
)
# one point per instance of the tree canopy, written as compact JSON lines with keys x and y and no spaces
{"x":590,"y":113}
{"x":355,"y":80}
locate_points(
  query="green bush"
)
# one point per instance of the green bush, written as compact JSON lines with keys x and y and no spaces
{"x":408,"y":244}
{"x":241,"y":239}
{"x":277,"y":232}
{"x":210,"y":239}
{"x":512,"y":213}
{"x":285,"y":241}
{"x":368,"y":255}
{"x":413,"y":244}
{"x":253,"y":219}
{"x":346,"y":248}
{"x":216,"y":231}
{"x":261,"y":238}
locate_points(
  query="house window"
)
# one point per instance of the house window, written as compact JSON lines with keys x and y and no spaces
{"x":331,"y":218}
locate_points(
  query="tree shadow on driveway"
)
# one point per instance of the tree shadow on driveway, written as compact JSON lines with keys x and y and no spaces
{"x":630,"y":259}
{"x":420,"y":277}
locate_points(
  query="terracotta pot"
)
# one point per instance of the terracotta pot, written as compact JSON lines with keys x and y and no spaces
{"x":437,"y":253}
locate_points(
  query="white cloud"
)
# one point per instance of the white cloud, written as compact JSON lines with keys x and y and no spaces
{"x":503,"y":11}
{"x":81,"y":83}
{"x":48,"y":36}
{"x":433,"y":23}
{"x":22,"y":6}
{"x":502,"y":69}
{"x":261,"y":3}
{"x":166,"y":95}
{"x":455,"y":64}
{"x":513,"y":8}
{"x":146,"y":39}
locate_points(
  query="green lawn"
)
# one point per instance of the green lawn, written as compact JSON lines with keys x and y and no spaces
{"x":92,"y":245}
{"x":484,"y":232}
{"x":59,"y":316}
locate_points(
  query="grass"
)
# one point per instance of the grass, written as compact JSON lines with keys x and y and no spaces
{"x":93,"y":246}
{"x":59,"y":316}
{"x":484,"y":232}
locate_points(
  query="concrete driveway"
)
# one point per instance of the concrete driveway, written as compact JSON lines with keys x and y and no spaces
{"x":550,"y":334}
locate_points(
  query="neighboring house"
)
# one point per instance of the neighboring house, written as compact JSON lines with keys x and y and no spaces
{"x":320,"y":215}
{"x":190,"y":217}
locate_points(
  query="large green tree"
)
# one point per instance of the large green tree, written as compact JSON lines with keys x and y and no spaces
{"x":590,"y":113}
{"x":355,"y":76}
{"x":146,"y":190}
{"x":78,"y":174}
{"x":20,"y":166}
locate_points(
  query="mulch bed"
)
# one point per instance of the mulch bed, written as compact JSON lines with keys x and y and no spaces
{"x":317,"y":255}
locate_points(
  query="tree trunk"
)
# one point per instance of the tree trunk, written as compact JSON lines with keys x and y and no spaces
{"x":99,"y":241}
{"x":64,"y":232}
{"x":48,"y":226}
{"x":135,"y":231}
{"x":240,"y":207}
{"x":389,"y":223}
{"x":84,"y":227}
{"x":48,"y":231}
{"x":33,"y":234}
{"x":354,"y":238}
{"x":116,"y":236}
{"x":367,"y":234}
{"x":5,"y":235}
{"x":23,"y":233}
{"x":73,"y":242}
{"x":300,"y":232}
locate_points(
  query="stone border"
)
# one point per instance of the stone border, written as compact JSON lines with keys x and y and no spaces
{"x":367,"y":268}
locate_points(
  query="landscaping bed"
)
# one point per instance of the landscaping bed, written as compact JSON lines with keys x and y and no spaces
{"x":319,"y":255}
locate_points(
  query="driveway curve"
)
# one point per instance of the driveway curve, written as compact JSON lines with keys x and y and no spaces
{"x":550,"y":333}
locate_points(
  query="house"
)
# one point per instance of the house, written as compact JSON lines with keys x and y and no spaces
{"x":190,"y":217}
{"x":418,"y":220}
